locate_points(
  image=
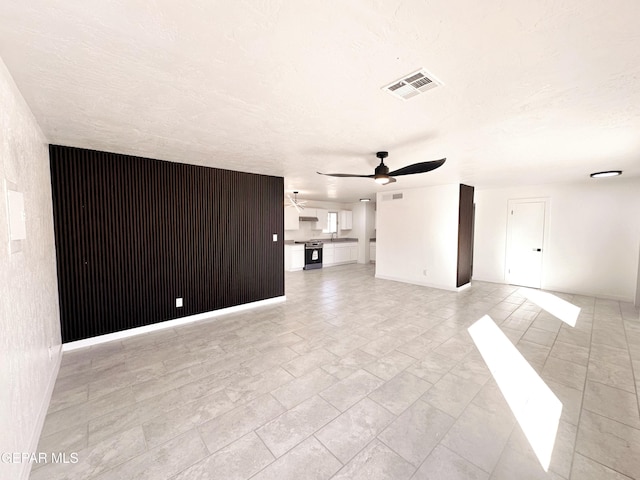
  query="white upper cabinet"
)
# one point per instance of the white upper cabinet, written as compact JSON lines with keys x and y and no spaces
{"x":291,"y":221}
{"x":323,"y":219}
{"x":346,"y":219}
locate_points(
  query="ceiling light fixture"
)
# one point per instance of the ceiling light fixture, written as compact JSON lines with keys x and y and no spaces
{"x":295,"y":203}
{"x":382,"y":179}
{"x":608,"y":173}
{"x":365,"y":199}
{"x":382,"y":175}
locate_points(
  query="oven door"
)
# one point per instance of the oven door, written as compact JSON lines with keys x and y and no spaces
{"x":312,"y":258}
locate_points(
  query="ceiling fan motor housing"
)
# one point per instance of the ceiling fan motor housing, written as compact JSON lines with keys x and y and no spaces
{"x":382,"y":171}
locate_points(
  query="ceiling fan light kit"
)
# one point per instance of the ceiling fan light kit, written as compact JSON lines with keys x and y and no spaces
{"x":608,"y":173}
{"x":383,"y":176}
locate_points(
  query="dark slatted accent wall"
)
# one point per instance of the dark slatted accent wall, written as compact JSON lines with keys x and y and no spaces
{"x":465,"y":235}
{"x":133,"y":234}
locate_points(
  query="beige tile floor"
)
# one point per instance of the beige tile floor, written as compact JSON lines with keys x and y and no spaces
{"x":351,"y":378}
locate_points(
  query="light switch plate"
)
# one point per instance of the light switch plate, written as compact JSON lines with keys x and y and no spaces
{"x":275,"y":237}
{"x":15,"y":216}
{"x":17,"y":225}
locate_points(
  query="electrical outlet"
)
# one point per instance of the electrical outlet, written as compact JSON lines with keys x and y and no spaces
{"x":424,"y":272}
{"x":178,"y":302}
{"x":275,"y":237}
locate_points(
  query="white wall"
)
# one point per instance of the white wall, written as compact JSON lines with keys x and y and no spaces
{"x":592,"y":236}
{"x":637,"y":303}
{"x":418,"y":234}
{"x":363,"y":228}
{"x":29,"y":318}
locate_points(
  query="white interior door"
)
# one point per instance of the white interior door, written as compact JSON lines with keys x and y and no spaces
{"x":525,"y":238}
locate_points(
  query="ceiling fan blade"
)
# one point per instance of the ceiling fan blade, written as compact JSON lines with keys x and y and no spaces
{"x":422,"y":167}
{"x":345,"y":175}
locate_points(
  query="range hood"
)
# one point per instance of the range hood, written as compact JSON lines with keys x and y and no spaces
{"x":307,"y":219}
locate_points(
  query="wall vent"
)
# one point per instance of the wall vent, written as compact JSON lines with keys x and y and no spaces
{"x":412,"y":84}
{"x":391,"y":196}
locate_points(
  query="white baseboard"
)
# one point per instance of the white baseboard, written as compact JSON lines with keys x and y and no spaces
{"x":42,"y":414}
{"x":618,"y":298}
{"x":87,"y":342}
{"x":555,"y":288}
{"x":423,"y":284}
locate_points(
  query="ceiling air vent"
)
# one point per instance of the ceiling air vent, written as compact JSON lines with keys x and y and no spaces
{"x":413,"y":84}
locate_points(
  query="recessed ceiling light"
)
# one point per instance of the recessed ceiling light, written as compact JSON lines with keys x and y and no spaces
{"x":609,"y":173}
{"x":365,"y":199}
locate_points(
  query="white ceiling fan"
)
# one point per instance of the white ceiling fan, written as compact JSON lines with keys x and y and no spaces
{"x":295,"y":203}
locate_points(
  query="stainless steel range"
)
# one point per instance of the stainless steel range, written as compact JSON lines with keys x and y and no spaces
{"x":312,"y":254}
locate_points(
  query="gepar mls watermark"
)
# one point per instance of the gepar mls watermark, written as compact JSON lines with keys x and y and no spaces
{"x":38,"y":457}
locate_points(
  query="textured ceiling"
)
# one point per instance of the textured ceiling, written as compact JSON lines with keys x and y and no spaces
{"x":534,"y":91}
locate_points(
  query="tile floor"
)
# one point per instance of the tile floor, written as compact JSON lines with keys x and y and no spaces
{"x":351,"y":378}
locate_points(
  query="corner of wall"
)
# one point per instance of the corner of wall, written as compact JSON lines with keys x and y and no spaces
{"x":42,"y":413}
{"x":29,"y":312}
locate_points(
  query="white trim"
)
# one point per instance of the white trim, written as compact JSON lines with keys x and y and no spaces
{"x":87,"y":342}
{"x":423,"y":284}
{"x":554,"y":289}
{"x":42,"y":414}
{"x":603,"y":296}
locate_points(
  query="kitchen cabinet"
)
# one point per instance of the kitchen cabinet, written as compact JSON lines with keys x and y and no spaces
{"x":328,"y":254}
{"x":308,"y":212}
{"x":342,"y":254}
{"x":346,"y":219}
{"x":291,"y":221}
{"x":339,"y":253}
{"x":345,"y":253}
{"x":323,"y":219}
{"x":293,"y":257}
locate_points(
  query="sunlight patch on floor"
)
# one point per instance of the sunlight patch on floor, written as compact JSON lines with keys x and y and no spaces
{"x":556,"y":306}
{"x":532,"y":402}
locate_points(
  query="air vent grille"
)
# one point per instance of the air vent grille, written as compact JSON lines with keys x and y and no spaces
{"x":398,"y":85}
{"x":413,"y":84}
{"x":391,"y":196}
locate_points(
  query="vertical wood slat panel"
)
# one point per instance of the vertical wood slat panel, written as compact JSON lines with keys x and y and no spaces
{"x":465,"y":235}
{"x":133,"y":234}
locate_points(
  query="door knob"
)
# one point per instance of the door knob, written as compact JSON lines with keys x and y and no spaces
{"x":537,"y":249}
